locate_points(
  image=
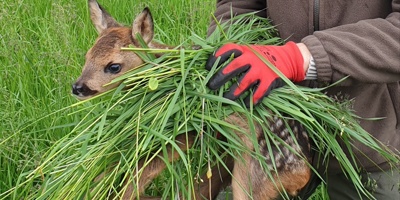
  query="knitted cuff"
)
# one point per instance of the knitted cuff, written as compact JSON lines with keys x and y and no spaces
{"x":311,"y":73}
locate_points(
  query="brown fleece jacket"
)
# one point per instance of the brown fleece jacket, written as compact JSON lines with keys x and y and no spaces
{"x":355,"y":38}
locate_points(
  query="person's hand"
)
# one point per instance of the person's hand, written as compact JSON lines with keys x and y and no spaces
{"x":255,"y":73}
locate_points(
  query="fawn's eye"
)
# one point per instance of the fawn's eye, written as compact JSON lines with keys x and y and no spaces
{"x":113,"y":68}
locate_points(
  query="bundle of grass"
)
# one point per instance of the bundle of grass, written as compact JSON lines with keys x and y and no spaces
{"x":166,"y":97}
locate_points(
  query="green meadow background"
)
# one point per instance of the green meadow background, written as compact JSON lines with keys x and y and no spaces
{"x":42,"y":48}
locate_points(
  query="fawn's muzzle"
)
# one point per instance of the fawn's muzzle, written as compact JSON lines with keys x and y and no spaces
{"x":82,"y":90}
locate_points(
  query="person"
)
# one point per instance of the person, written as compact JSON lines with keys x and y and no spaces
{"x":327,"y":41}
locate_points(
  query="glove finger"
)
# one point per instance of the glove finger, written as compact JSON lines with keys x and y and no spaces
{"x":263,"y":90}
{"x":225,"y":52}
{"x":235,"y":67}
{"x":220,"y":78}
{"x":238,"y":88}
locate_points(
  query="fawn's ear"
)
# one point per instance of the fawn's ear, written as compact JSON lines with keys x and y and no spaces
{"x":100,"y":18}
{"x":143,"y":24}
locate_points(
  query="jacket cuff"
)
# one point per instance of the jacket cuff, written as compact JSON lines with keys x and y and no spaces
{"x":311,"y":73}
{"x":322,"y":62}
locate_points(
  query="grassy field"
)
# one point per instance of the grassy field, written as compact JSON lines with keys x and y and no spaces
{"x":42,"y":48}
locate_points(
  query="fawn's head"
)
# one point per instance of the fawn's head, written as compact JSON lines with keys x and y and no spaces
{"x":106,"y":61}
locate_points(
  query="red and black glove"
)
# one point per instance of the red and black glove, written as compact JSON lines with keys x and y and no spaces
{"x":255,"y":73}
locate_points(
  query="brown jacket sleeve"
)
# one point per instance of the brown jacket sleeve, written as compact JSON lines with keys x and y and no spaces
{"x":228,"y":8}
{"x":368,"y":51}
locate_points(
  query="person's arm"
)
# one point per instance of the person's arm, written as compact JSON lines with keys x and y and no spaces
{"x":367,"y":51}
{"x":225,"y":9}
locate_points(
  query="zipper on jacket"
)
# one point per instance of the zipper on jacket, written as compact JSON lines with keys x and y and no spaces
{"x":316,"y":15}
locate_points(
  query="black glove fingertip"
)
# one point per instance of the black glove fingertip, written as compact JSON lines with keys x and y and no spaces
{"x":277,"y":83}
{"x":214,"y":82}
{"x":247,"y":101}
{"x":224,"y":57}
{"x":230,"y":94}
{"x":210,"y":62}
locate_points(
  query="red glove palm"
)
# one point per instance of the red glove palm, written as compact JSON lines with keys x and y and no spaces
{"x":287,"y":58}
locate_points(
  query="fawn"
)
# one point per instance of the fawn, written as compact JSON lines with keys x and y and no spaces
{"x":105,"y":61}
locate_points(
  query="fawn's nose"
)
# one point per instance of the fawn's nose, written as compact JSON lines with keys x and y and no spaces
{"x":78,"y":89}
{"x":81,"y":89}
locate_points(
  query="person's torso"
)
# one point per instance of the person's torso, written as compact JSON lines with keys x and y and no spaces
{"x":296,"y":19}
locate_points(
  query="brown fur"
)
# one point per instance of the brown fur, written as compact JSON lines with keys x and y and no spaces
{"x":249,"y":176}
{"x":249,"y":179}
